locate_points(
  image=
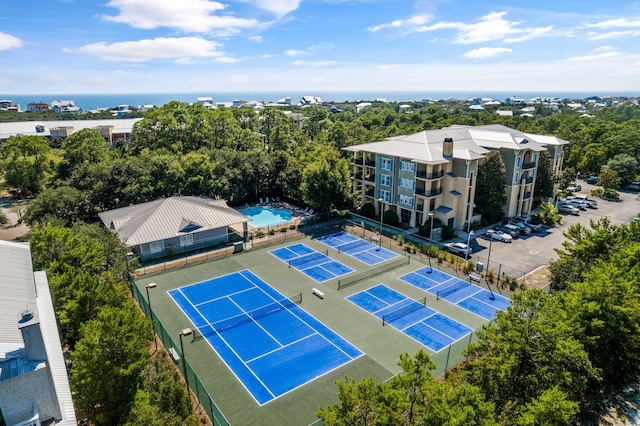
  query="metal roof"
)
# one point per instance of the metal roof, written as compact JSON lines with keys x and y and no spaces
{"x":469,"y":143}
{"x":165,"y":218}
{"x":7,"y":130}
{"x":22,"y":289}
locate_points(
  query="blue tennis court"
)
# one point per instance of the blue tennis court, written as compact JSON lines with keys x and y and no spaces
{"x":271,"y":344}
{"x":358,"y":248}
{"x":316,"y":265}
{"x":425,"y":325}
{"x":474,"y":299}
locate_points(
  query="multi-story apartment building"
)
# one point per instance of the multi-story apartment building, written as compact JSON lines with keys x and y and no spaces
{"x":435,"y":171}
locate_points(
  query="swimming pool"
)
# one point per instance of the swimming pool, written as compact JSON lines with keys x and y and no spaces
{"x":266,"y":216}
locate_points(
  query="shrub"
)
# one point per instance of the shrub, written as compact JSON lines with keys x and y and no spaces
{"x":292,"y":226}
{"x":272,"y":232}
{"x":259,"y":234}
{"x":399,"y":239}
{"x":368,"y":210}
{"x":283,"y":230}
{"x":490,"y":276}
{"x":390,"y":218}
{"x":611,"y":193}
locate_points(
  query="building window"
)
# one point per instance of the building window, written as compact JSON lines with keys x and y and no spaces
{"x":406,"y":183}
{"x":386,"y":164}
{"x":407,"y":166}
{"x":405,"y":199}
{"x":186,"y":240}
{"x":535,"y":157}
{"x":385,"y":180}
{"x":533,"y":172}
{"x":519,"y":161}
{"x":156,"y":246}
{"x":385,"y":195}
{"x":517,"y":177}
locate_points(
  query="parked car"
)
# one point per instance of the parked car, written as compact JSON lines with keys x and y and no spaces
{"x":534,"y":226}
{"x":512,"y":230}
{"x":568,"y":209}
{"x":524,"y":229}
{"x":635,"y":186}
{"x":577,"y":203}
{"x":591,"y":203}
{"x":574,"y":187}
{"x":591,"y":180}
{"x":498,"y":235}
{"x":459,"y":248}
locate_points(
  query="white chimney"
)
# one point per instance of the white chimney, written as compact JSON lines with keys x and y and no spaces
{"x":29,"y":326}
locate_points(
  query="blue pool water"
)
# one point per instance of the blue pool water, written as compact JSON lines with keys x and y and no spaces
{"x":266,"y":216}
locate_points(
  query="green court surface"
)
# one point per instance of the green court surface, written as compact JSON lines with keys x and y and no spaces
{"x":381,"y":345}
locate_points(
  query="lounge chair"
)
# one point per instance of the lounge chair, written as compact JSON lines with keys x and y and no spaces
{"x":267,"y":200}
{"x":305,"y":211}
{"x":310,"y":212}
{"x":260,"y":200}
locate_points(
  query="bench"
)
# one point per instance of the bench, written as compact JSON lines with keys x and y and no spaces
{"x":475,"y":277}
{"x":317,"y":292}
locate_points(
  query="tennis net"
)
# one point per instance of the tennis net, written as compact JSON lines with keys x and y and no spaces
{"x":372,"y":272}
{"x":405,"y":310}
{"x":309,"y":258}
{"x":352,"y":246}
{"x":451,"y":289}
{"x":255,"y":314}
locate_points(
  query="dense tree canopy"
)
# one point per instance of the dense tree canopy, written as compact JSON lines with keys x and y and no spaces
{"x":490,"y":187}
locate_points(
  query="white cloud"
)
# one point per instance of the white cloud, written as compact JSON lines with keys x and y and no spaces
{"x":227,"y":60}
{"x":277,"y":7}
{"x":266,"y":55}
{"x":490,"y":27}
{"x":313,"y":63}
{"x":410,"y":23}
{"x":257,"y":39}
{"x":616,"y":23}
{"x":529,"y":34}
{"x":293,"y":52}
{"x":486,"y":52}
{"x":601,"y":53}
{"x":191,"y":16}
{"x":613,"y":34}
{"x":159,"y":48}
{"x":9,"y":42}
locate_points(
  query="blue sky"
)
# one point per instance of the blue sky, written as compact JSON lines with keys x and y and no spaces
{"x":117,"y":46}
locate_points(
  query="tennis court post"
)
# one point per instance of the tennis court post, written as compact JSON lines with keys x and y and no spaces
{"x":185,"y":332}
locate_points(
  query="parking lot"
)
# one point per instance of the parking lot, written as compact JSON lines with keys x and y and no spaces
{"x":527,"y":253}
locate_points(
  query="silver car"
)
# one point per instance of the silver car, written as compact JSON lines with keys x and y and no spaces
{"x":568,"y":209}
{"x":498,"y":235}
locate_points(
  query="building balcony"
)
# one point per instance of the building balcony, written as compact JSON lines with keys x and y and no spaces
{"x":358,"y":176}
{"x":369,"y":192}
{"x":526,"y":166}
{"x":359,"y":161}
{"x":370,"y":178}
{"x":425,"y":175}
{"x":420,"y":207}
{"x":370,"y":163}
{"x":528,"y":181}
{"x":429,"y":193}
{"x":526,"y":196}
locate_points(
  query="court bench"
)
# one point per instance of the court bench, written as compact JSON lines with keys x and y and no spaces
{"x":317,"y":292}
{"x":474,"y":276}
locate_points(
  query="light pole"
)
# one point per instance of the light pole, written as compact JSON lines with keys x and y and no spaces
{"x":381,"y":211}
{"x":155,"y":342}
{"x":577,"y":176}
{"x":489,"y":256}
{"x":431,"y":214}
{"x":185,"y":332}
{"x":469,"y":231}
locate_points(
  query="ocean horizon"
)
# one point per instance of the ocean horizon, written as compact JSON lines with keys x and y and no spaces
{"x":112,"y":100}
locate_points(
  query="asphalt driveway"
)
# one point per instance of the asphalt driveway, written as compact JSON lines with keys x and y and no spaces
{"x":527,"y":253}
